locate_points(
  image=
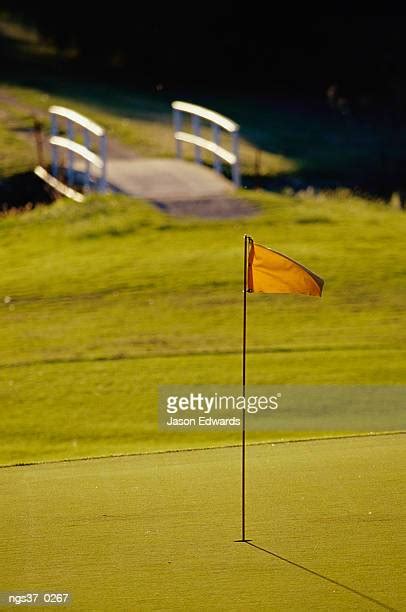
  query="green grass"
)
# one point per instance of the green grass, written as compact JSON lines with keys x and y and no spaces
{"x":157,"y":532}
{"x":102,"y":302}
{"x":112,"y":298}
{"x":17,"y":152}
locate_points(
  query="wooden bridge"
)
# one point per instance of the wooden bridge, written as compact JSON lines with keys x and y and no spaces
{"x":80,"y":163}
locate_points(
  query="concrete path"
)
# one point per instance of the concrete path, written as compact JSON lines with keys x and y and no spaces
{"x":177,"y":186}
{"x":157,"y":179}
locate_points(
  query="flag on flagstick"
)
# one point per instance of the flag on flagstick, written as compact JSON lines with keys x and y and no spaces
{"x":272,"y":272}
{"x":267,"y":271}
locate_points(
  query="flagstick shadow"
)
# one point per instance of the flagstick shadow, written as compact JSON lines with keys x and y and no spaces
{"x":326,"y":578}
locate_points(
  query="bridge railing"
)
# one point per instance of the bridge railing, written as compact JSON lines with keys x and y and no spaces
{"x":217,"y":122}
{"x":76,"y":124}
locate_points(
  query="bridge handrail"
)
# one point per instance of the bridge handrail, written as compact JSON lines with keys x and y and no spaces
{"x":77,"y":148}
{"x":69,"y":143}
{"x":207,"y":144}
{"x":206,"y":113}
{"x":67,"y":113}
{"x":217,"y":121}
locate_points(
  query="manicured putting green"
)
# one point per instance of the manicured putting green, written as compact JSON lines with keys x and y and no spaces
{"x":156,"y":532}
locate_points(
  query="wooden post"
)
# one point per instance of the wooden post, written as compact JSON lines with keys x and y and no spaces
{"x":39,"y":140}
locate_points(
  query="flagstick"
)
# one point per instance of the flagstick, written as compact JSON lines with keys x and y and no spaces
{"x":244,"y":347}
{"x":247,"y":240}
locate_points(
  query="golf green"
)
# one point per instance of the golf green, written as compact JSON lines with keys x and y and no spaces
{"x":158,"y":531}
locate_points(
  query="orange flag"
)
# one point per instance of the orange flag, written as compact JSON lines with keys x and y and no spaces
{"x":272,"y":272}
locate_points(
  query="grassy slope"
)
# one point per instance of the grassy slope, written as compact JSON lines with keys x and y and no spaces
{"x":17,"y":150}
{"x":112,"y":298}
{"x":157,"y":532}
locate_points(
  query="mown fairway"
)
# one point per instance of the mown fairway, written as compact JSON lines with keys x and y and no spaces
{"x":104,"y":301}
{"x":156,"y":532}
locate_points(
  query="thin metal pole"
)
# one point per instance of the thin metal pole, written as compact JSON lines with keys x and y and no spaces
{"x":86,"y":139}
{"x":177,"y":127}
{"x":216,"y":139}
{"x":235,"y":168}
{"x":196,"y":131}
{"x":244,"y":347}
{"x":54,"y":148}
{"x":103,"y":154}
{"x":71,"y":159}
